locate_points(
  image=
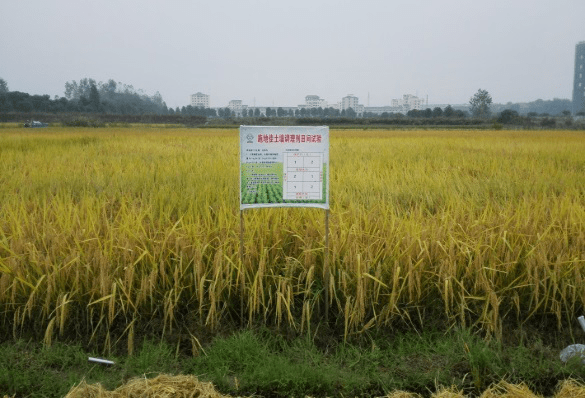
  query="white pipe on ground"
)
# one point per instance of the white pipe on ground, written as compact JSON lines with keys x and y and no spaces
{"x":101,"y":361}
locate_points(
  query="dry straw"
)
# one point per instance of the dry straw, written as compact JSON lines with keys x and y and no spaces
{"x":402,"y":394}
{"x":163,"y":386}
{"x":451,"y":392}
{"x":507,"y":390}
{"x":571,"y":389}
{"x":166,"y":386}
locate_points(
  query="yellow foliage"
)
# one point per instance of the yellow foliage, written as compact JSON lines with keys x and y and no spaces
{"x":115,"y":225}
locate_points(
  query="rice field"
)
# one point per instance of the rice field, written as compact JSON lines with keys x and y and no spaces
{"x":106,"y":234}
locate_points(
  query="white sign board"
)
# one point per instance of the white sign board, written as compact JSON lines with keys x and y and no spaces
{"x":284,"y":166}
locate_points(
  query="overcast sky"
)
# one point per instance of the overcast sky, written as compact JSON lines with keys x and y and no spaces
{"x":276,"y":52}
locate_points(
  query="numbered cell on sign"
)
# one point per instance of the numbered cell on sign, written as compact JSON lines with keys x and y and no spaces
{"x":312,"y":163}
{"x":294,"y":190}
{"x":311,"y":187}
{"x":294,"y":176}
{"x":292,"y":187}
{"x":312,"y":176}
{"x":293,"y":162}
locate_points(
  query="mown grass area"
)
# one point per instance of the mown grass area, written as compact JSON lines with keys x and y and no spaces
{"x":263,"y":364}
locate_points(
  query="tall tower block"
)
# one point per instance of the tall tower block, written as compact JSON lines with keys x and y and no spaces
{"x":579,"y":81}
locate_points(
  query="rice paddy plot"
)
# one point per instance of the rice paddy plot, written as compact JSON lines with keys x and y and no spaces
{"x":112,"y":232}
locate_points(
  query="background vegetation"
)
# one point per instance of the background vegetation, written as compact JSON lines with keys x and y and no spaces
{"x":115,"y":102}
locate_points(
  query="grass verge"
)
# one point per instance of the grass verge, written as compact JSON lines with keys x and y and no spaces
{"x":260,"y":363}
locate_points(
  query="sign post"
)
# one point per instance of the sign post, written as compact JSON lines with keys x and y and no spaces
{"x":285,"y":166}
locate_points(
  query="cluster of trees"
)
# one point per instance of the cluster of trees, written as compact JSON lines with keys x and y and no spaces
{"x":437,"y":112}
{"x":325,"y":112}
{"x":85,"y":96}
{"x":190,"y":110}
{"x":540,"y":107}
{"x":112,"y":98}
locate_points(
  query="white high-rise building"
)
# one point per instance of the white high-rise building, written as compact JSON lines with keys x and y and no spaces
{"x":349,"y":101}
{"x":579,"y":80}
{"x":236,"y":107}
{"x":200,"y":100}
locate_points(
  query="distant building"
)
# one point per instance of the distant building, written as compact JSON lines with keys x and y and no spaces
{"x":236,"y":107}
{"x":408,"y":102}
{"x":200,"y":100}
{"x":337,"y":106}
{"x":579,"y":80}
{"x":378,"y":110}
{"x":313,"y":101}
{"x":349,"y":101}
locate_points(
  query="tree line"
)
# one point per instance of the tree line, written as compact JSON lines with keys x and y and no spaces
{"x":85,"y":96}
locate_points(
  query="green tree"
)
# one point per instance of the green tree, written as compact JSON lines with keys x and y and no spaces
{"x":507,"y":116}
{"x":480,"y":104}
{"x":3,"y":86}
{"x":449,"y":111}
{"x":94,"y":97}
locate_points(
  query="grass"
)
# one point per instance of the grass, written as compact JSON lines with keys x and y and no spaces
{"x":262,"y":363}
{"x":110,"y":235}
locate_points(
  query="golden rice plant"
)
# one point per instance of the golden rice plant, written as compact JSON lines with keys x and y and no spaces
{"x":112,"y":232}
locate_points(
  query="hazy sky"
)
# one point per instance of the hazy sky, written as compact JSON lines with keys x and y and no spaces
{"x":279,"y":51}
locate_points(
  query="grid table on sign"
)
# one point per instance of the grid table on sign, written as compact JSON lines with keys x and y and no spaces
{"x":303,"y":176}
